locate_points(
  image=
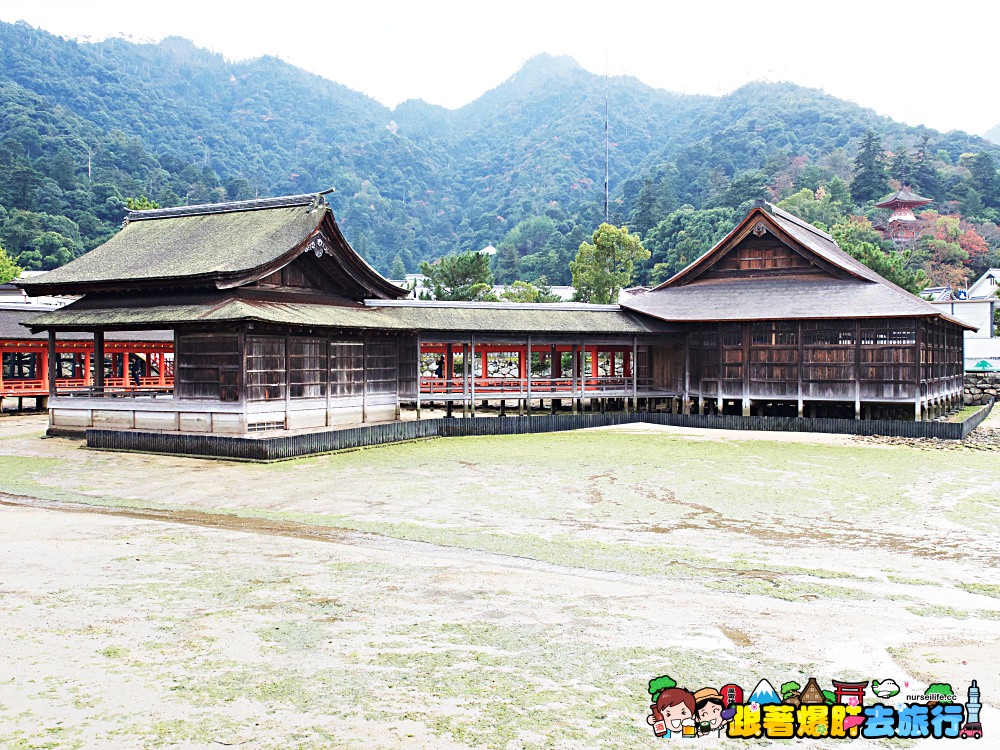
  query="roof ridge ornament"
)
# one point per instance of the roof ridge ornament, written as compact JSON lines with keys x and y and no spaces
{"x":760,"y":229}
{"x":317,"y":245}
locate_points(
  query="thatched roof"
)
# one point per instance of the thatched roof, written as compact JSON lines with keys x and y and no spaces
{"x":217,"y":245}
{"x":448,"y":317}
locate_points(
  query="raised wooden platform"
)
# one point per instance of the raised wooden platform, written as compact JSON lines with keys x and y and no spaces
{"x":303,"y":444}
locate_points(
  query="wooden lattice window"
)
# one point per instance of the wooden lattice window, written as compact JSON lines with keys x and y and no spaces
{"x":306,"y":368}
{"x":208,"y":367}
{"x":265,"y":368}
{"x":380,"y":360}
{"x":347,"y":368}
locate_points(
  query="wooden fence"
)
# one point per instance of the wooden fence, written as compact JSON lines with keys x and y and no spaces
{"x":291,"y":446}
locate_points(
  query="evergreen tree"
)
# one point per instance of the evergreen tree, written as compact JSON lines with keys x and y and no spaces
{"x":604,"y":268}
{"x":870,"y":182}
{"x":461,"y":276}
{"x":507,"y":266}
{"x":983,"y":178}
{"x":901,"y":168}
{"x":398,"y":269}
{"x":860,"y":240}
{"x":926,"y":178}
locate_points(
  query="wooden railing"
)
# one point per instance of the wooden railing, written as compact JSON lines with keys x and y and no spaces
{"x":116,"y":391}
{"x":38,"y":387}
{"x":540,"y":387}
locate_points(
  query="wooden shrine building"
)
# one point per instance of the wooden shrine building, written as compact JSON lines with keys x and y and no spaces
{"x":781,"y":321}
{"x":278,"y":324}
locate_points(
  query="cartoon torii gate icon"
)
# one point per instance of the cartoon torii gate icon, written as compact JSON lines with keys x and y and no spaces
{"x":844,"y":691}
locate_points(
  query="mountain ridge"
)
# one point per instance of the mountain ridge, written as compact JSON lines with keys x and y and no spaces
{"x":90,"y":124}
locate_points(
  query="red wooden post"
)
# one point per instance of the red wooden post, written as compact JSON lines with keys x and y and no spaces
{"x":52,"y":366}
{"x":99,"y":361}
{"x":42,"y":361}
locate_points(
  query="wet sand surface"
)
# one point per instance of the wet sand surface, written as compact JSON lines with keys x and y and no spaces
{"x":478,"y":592}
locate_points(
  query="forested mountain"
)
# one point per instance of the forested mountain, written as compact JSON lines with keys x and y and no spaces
{"x":83,"y":127}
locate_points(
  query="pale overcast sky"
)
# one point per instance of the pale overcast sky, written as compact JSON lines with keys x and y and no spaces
{"x":916,"y":61}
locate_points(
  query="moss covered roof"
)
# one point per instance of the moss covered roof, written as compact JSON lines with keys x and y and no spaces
{"x":450,"y":318}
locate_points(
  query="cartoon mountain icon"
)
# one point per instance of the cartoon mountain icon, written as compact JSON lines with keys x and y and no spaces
{"x":764,"y":694}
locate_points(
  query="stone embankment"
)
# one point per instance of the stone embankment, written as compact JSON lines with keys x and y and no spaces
{"x":981,"y":387}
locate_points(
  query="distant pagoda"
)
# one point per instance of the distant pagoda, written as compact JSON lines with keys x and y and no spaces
{"x":901,"y":226}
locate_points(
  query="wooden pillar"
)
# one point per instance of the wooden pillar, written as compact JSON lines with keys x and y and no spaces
{"x":53,"y":364}
{"x":99,"y":361}
{"x":364,"y":377}
{"x":746,"y":369}
{"x":88,"y":378}
{"x":449,"y":373}
{"x":527,"y":371}
{"x":635,"y":377}
{"x":472,"y":374}
{"x":857,"y":369}
{"x":328,"y":369}
{"x":42,"y":362}
{"x":163,"y":367}
{"x":575,"y":376}
{"x":798,"y":369}
{"x":919,"y":367}
{"x":720,"y":404}
{"x":555,"y":373}
{"x":465,"y":379}
{"x":686,"y":401}
{"x":420,"y":374}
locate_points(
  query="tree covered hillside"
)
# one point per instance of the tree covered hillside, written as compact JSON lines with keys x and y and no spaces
{"x":83,"y":127}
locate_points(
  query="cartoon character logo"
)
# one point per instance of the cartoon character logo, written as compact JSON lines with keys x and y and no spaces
{"x":673,"y":709}
{"x":885,"y":688}
{"x":711,"y":713}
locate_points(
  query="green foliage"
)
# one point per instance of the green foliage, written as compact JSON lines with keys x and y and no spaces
{"x":858,"y":239}
{"x":8,"y":268}
{"x":398,"y":269}
{"x":604,"y":268}
{"x":142,"y":203}
{"x":84,"y":125}
{"x":683,"y":237}
{"x":507,"y":267}
{"x":460,"y":276}
{"x":818,"y":208}
{"x":939,"y":688}
{"x":658,"y":685}
{"x":787,"y":688}
{"x":522,"y":291}
{"x":870,"y":183}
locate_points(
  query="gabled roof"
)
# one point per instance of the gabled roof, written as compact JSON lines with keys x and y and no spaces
{"x":794,"y":232}
{"x":215,"y":245}
{"x":847,"y":289}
